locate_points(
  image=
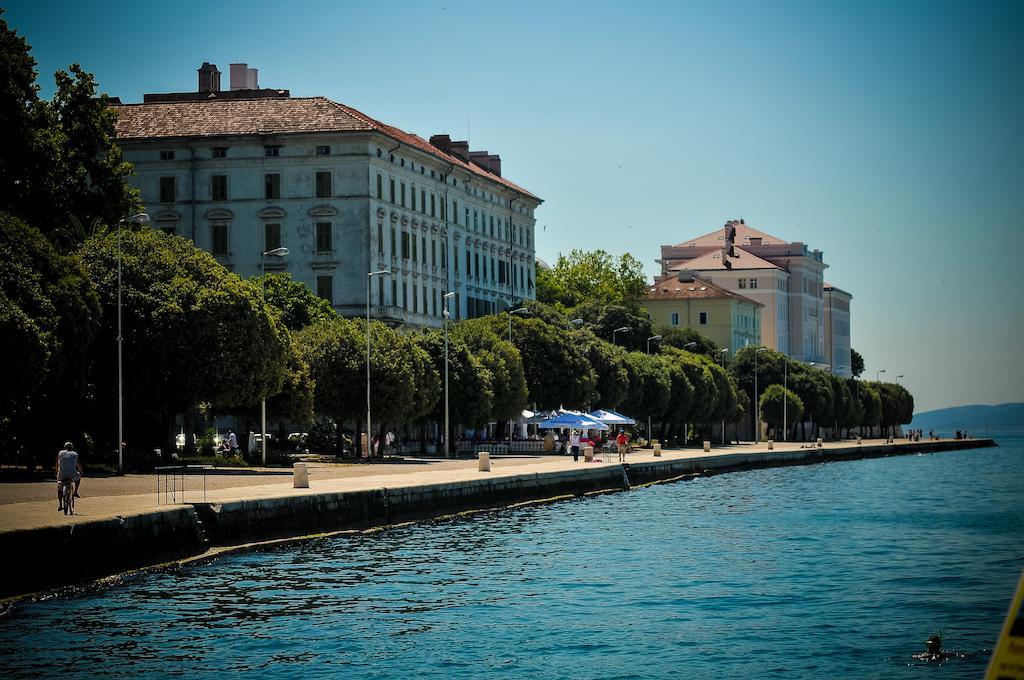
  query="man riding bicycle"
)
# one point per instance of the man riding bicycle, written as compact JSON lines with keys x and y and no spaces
{"x":68,"y":469}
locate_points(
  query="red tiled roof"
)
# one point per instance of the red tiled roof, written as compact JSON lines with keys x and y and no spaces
{"x":272,"y":115}
{"x":713,"y":261}
{"x":744,"y":232}
{"x":671,"y":288}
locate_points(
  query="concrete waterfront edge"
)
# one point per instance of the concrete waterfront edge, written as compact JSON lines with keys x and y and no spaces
{"x":43,"y":558}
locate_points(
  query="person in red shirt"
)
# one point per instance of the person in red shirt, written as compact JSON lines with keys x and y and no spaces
{"x":623,"y":441}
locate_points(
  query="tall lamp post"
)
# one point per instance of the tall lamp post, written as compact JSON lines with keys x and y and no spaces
{"x":369,"y":430}
{"x":276,"y":252}
{"x":140,"y":219}
{"x":619,"y":330}
{"x":521,"y":310}
{"x":878,"y":375}
{"x":721,"y":354}
{"x":898,"y":378}
{"x":444,"y":301}
{"x":785,"y":396}
{"x":656,"y":338}
{"x":757,"y":406}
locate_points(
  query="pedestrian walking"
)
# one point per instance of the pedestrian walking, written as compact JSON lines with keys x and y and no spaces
{"x":574,"y":445}
{"x":623,"y":441}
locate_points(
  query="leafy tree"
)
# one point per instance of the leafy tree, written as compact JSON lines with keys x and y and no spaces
{"x":871,"y":405}
{"x":299,"y":306}
{"x":650,"y":386}
{"x":58,"y":160}
{"x":470,"y":390}
{"x":777,"y":403}
{"x":608,"y":362}
{"x":557,"y":372}
{"x":856,"y":363}
{"x":504,"y":362}
{"x":681,"y":391}
{"x":596,"y":276}
{"x":681,"y":337}
{"x":194,"y":333}
{"x":48,"y":321}
{"x":334,"y":351}
{"x":603,"y":319}
{"x":705,"y":388}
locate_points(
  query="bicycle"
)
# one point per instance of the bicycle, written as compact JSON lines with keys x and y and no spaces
{"x":67,"y":496}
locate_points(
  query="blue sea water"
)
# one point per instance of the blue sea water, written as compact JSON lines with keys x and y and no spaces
{"x":838,"y":570}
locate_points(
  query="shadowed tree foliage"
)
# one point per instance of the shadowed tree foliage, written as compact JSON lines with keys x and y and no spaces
{"x":608,"y":362}
{"x":778,"y":403}
{"x":557,"y":372}
{"x":299,"y":306}
{"x":58,"y":159}
{"x":681,"y":337}
{"x":487,"y":339}
{"x":602,"y":320}
{"x":681,"y":392}
{"x":334,"y":351}
{"x":856,"y":363}
{"x":49,"y":317}
{"x":194,"y":333}
{"x":650,"y":386}
{"x":470,"y":391}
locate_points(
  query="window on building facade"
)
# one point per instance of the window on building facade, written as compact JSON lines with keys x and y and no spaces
{"x":271,"y":236}
{"x":394,"y":291}
{"x":324,"y":242}
{"x":743,"y":283}
{"x":168,"y":190}
{"x":412,"y":237}
{"x":415,"y":298}
{"x":476,"y":221}
{"x":412,"y":197}
{"x":394,"y":250}
{"x":433,"y":205}
{"x":271,"y":186}
{"x":219,"y":152}
{"x":476,"y":265}
{"x":167,"y":155}
{"x":323,"y":184}
{"x":703,"y":318}
{"x":271,"y":151}
{"x":423,"y":201}
{"x":423,"y":249}
{"x":469,"y":263}
{"x":380,"y":290}
{"x":325,"y":287}
{"x":433,"y":253}
{"x":380,"y":239}
{"x":467,"y":219}
{"x":753,"y":283}
{"x":403,"y":194}
{"x":380,"y":188}
{"x":391,"y":184}
{"x":675,"y":318}
{"x":455,"y":211}
{"x":405,"y":245}
{"x":405,"y":295}
{"x":323,"y":151}
{"x":219,"y":238}
{"x":219,"y":188}
{"x":425,"y":308}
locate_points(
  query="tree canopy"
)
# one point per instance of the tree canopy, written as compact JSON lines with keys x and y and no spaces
{"x":594,"y":276}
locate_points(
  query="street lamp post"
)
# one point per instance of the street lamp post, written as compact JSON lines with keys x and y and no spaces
{"x":619,"y":330}
{"x":444,"y":301}
{"x":878,"y":375}
{"x":140,"y":219}
{"x":898,"y":378}
{"x":369,"y":430}
{"x":785,"y":396}
{"x":276,"y":252}
{"x":757,"y":406}
{"x":721,"y":354}
{"x":650,"y":439}
{"x":521,"y":310}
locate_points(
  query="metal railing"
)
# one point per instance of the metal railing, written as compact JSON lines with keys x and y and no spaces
{"x":174,"y":486}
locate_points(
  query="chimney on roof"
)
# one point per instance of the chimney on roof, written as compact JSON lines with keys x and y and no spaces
{"x":244,"y":78}
{"x":495,"y":161}
{"x":461,"y":150}
{"x":209,"y":78}
{"x":488,"y":161}
{"x":686,"y":275}
{"x":442,"y":142}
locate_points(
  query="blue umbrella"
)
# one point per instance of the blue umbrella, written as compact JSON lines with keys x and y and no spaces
{"x":573,"y":420}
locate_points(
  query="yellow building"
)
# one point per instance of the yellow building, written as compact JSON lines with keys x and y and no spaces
{"x":731,"y":320}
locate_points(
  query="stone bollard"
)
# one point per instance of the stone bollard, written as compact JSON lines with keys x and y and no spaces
{"x":300,"y":476}
{"x":657,"y":449}
{"x":819,"y":442}
{"x":707,"y":446}
{"x":485,"y":461}
{"x":588,"y":454}
{"x":771,"y":444}
{"x":858,"y":440}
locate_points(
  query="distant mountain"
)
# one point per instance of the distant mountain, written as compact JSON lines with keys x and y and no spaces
{"x":975,"y":419}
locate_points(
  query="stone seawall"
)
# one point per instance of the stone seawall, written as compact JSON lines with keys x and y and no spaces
{"x":47,"y":557}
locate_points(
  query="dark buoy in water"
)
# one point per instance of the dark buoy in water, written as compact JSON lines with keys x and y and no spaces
{"x":934,"y":653}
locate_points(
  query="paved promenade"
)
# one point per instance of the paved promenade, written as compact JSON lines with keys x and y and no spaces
{"x":28,"y":505}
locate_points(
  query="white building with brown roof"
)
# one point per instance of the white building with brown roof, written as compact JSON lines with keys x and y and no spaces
{"x":346,"y":194}
{"x":787,"y":278}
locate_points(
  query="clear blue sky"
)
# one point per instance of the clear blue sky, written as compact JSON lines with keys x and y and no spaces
{"x":888,"y":135}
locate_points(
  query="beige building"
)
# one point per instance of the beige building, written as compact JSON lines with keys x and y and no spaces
{"x":787,"y":278}
{"x":731,"y":320}
{"x":837,"y":330}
